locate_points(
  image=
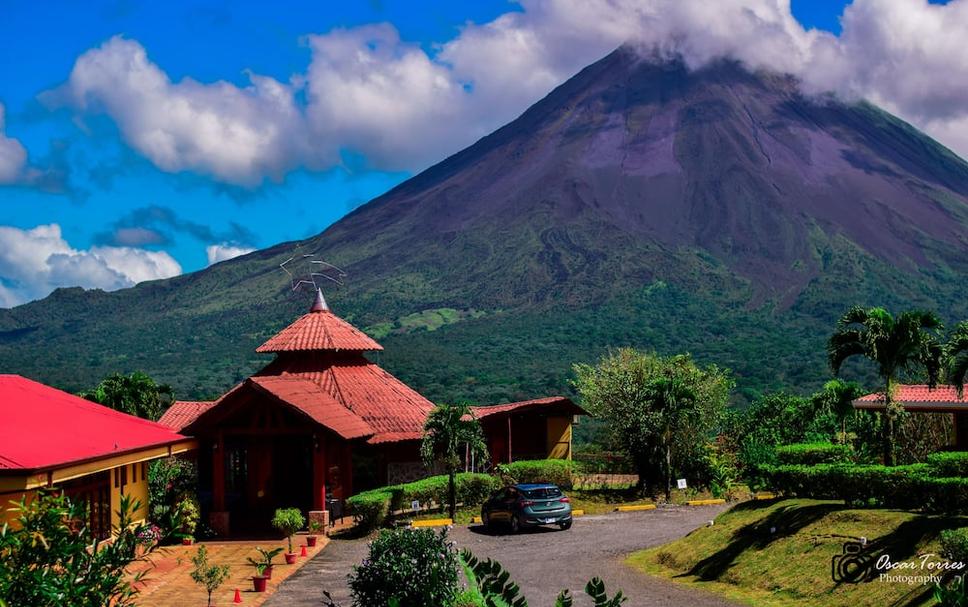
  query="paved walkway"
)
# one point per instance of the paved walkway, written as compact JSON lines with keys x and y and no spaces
{"x":168,"y":582}
{"x":541,"y":561}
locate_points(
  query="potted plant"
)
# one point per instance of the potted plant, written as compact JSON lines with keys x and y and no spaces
{"x":265,"y":560}
{"x":208,"y":575}
{"x":289,"y":521}
{"x":259,"y":579}
{"x":315,"y":528}
{"x":188,"y":517}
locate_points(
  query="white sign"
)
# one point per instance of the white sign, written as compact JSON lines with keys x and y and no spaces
{"x":415,"y":505}
{"x":682,"y":483}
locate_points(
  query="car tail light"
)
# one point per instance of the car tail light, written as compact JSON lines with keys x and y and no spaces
{"x":565,"y":500}
{"x":525,"y":503}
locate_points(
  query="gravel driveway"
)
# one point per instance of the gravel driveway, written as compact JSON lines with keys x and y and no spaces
{"x":541,"y":561}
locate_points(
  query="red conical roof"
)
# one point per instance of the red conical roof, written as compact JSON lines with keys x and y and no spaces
{"x":320,"y":330}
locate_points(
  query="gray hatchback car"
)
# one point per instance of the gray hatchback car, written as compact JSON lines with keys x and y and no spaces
{"x":527,"y":505}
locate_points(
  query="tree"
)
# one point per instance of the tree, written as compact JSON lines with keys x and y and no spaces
{"x":449,"y":432}
{"x":209,"y":575}
{"x":837,"y":399}
{"x":135,"y":394}
{"x":957,"y":351}
{"x":903,"y":345}
{"x":660,"y":411}
{"x":50,"y":557}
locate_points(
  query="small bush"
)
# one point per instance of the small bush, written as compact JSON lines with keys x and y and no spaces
{"x":954,"y":545}
{"x":949,"y":464}
{"x":370,"y":508}
{"x":809,"y":454}
{"x":288,"y":521}
{"x":555,"y":471}
{"x":407,"y":568}
{"x":472,"y":490}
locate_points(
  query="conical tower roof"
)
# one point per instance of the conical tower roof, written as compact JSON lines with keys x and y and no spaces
{"x":318,"y":331}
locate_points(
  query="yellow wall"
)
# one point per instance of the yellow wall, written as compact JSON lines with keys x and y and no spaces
{"x":135,"y":486}
{"x":6,"y":514}
{"x":559,"y":438}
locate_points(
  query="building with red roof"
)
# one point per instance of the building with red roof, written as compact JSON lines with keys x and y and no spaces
{"x":50,"y":438}
{"x":322,"y":419}
{"x":922,"y":398}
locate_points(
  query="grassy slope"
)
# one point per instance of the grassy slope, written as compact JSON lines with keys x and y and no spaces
{"x":739,"y":558}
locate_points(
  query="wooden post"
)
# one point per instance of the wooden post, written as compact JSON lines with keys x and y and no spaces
{"x":346,"y":470}
{"x":319,"y":473}
{"x":509,"y":438}
{"x":218,"y":473}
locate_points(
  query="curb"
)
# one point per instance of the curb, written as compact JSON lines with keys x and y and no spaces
{"x":636,"y":508}
{"x":765,"y":495}
{"x":434,"y":522}
{"x":713,"y":502}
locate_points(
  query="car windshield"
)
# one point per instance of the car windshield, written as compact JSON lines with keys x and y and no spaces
{"x":542,"y":493}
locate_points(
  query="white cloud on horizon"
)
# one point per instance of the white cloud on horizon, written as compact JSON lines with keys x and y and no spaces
{"x":34,"y":262}
{"x":223,"y":252}
{"x":371,"y":93}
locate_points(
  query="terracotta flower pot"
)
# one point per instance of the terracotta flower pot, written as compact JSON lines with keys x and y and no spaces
{"x":310,"y":540}
{"x":290,"y":558}
{"x":259,"y":583}
{"x":187,"y":541}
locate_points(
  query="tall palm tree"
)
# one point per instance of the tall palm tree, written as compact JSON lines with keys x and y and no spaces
{"x":957,"y":351}
{"x":672,"y":399}
{"x":448,"y":432}
{"x":907,"y":343}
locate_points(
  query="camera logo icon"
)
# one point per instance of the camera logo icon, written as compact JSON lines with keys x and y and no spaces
{"x":853,"y":565}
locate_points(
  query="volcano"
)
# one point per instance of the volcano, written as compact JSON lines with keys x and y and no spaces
{"x":716,"y":210}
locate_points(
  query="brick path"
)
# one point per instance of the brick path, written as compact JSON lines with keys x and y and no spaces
{"x":169,"y":583}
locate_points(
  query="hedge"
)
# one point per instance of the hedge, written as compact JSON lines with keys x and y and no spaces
{"x":371,"y":508}
{"x":908,"y":487}
{"x":555,"y":471}
{"x":813,"y":453}
{"x":949,"y":464}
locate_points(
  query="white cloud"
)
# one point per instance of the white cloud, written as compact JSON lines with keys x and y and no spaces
{"x":236,"y":135}
{"x":35,"y":262}
{"x":13,"y":156}
{"x":399,"y":106}
{"x":222,"y":252}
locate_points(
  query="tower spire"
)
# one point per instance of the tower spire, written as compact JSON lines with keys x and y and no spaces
{"x":319,"y":305}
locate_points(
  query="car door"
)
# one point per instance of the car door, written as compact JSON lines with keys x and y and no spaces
{"x":495,"y":505}
{"x":511,"y":496}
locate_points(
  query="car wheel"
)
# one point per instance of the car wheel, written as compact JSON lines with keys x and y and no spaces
{"x":515,"y":524}
{"x":565,"y":526}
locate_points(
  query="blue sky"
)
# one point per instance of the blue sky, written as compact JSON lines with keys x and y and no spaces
{"x":155,"y":128}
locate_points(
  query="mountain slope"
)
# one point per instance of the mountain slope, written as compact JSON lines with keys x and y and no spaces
{"x":718,"y":211}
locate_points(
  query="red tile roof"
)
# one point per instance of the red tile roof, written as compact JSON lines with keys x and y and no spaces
{"x":320,"y":330}
{"x":389,"y":406}
{"x":44,"y":428}
{"x":918,"y":396}
{"x":183,"y":412}
{"x":556,"y":404}
{"x":309,"y":398}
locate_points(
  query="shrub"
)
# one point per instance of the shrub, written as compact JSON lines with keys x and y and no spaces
{"x":943,"y":494}
{"x":812,"y":453}
{"x":187,"y":516}
{"x":288,"y":521}
{"x":949,"y":464}
{"x":170,"y":482}
{"x":556,"y":471}
{"x":954,"y":545}
{"x":370,"y":508}
{"x":407,"y":568}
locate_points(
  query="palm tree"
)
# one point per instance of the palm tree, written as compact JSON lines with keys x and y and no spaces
{"x":907,"y":343}
{"x":837,"y":397}
{"x":672,"y":399}
{"x":957,"y":351}
{"x":448,"y":431}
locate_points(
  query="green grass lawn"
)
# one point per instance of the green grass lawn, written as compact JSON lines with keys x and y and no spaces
{"x":740,"y":558}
